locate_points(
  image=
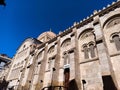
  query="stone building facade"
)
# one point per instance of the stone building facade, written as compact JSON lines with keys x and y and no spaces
{"x":4,"y":65}
{"x":86,"y":56}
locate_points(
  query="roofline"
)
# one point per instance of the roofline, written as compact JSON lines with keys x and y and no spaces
{"x":5,"y":59}
{"x":83,"y":22}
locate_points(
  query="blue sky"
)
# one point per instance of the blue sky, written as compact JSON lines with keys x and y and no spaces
{"x":21,"y":19}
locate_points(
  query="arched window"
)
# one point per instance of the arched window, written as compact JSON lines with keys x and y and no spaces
{"x":66,"y":42}
{"x":116,"y":40}
{"x":85,"y":50}
{"x":51,"y":49}
{"x":66,"y":58}
{"x":51,"y":63}
{"x":87,"y":35}
{"x":40,"y":55}
{"x":87,"y":39}
{"x":92,"y":50}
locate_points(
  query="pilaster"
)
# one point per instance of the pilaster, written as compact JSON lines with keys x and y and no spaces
{"x":103,"y":55}
{"x":77,"y":65}
{"x":101,"y":49}
{"x":43,"y":66}
{"x":57,"y":64}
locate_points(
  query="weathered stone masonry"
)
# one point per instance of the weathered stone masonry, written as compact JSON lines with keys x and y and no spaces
{"x":86,"y":56}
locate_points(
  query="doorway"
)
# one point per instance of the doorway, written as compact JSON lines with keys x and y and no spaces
{"x":73,"y":85}
{"x":66,"y":78}
{"x":108,"y":83}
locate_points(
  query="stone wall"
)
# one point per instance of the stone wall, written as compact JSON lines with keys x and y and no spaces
{"x":90,"y":49}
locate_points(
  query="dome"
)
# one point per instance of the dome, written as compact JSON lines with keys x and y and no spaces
{"x":46,"y":36}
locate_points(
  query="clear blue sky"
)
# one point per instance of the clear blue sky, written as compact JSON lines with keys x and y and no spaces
{"x":21,"y":19}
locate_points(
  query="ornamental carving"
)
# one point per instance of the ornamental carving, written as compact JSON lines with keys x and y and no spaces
{"x":113,"y":22}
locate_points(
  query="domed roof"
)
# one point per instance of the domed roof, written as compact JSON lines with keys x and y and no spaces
{"x":46,"y":36}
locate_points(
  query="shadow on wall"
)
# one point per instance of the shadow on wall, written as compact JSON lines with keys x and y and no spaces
{"x":73,"y":85}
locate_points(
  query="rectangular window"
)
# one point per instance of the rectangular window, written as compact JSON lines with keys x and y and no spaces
{"x":51,"y":63}
{"x":92,"y":51}
{"x":86,"y":55}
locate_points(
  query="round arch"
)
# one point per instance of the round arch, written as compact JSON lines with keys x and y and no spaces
{"x":86,"y":30}
{"x":110,"y":18}
{"x":66,"y":40}
{"x":52,"y":47}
